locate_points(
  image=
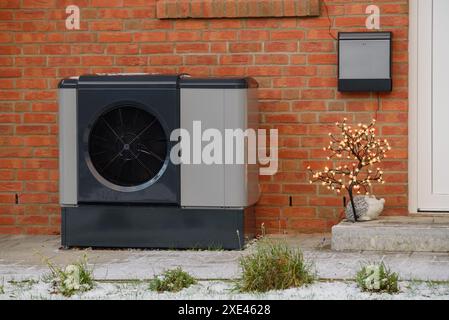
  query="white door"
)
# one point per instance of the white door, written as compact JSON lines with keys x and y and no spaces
{"x":433,"y":106}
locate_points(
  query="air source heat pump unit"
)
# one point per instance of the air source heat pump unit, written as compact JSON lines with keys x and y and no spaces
{"x":118,"y":186}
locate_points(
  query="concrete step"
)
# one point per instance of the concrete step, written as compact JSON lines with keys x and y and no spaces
{"x":401,"y":234}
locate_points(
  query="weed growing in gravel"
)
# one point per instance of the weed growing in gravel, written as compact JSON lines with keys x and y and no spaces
{"x":212,"y":247}
{"x":172,"y":281}
{"x":377,"y":278}
{"x":2,"y":286}
{"x":74,"y":278}
{"x":274,"y":266}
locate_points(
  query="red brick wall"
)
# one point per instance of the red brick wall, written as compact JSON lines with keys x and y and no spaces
{"x":294,"y":59}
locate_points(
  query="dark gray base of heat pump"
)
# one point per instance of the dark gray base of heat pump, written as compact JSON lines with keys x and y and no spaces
{"x":104,"y":226}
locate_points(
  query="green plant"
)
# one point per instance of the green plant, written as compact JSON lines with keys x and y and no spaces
{"x":72,"y":279}
{"x":377,"y":278}
{"x":211,"y":247}
{"x":274,"y":266}
{"x":172,"y":281}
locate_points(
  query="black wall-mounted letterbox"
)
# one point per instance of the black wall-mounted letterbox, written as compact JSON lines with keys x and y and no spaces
{"x":364,"y":61}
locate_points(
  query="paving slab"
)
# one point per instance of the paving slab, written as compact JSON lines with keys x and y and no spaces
{"x":415,"y":233}
{"x":22,"y":257}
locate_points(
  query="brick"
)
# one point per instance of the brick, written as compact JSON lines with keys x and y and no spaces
{"x":281,"y":118}
{"x":272,"y":59}
{"x":31,"y":84}
{"x":32,"y":220}
{"x":317,"y":46}
{"x":188,"y":48}
{"x":42,"y":230}
{"x":165,"y":60}
{"x":40,"y":141}
{"x":6,"y":129}
{"x":131,"y":61}
{"x":41,"y":186}
{"x":149,"y":37}
{"x":114,"y":37}
{"x":287,"y":35}
{"x":41,"y":164}
{"x":44,"y":107}
{"x":273,"y":200}
{"x":299,"y":212}
{"x":226,"y":24}
{"x":39,"y":118}
{"x":201,"y":59}
{"x":268,"y":212}
{"x":6,"y":220}
{"x":38,"y":4}
{"x":309,"y":225}
{"x":9,"y":4}
{"x":293,"y":154}
{"x":318,"y":94}
{"x":323,"y":59}
{"x":30,"y":61}
{"x":9,"y":95}
{"x":9,"y":50}
{"x":107,"y":3}
{"x":10,"y":73}
{"x":11,"y":141}
{"x":106,"y":25}
{"x":236,"y":59}
{"x":64,"y":61}
{"x":79,"y":37}
{"x":11,"y":186}
{"x":281,"y":47}
{"x":33,"y":175}
{"x":219,"y":35}
{"x":245,"y":47}
{"x":97,"y":61}
{"x":253,"y":35}
{"x":264,"y":71}
{"x":30,"y":37}
{"x":300,"y":71}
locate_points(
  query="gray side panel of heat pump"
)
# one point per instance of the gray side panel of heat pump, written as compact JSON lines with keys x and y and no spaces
{"x":364,"y":59}
{"x":202,"y":185}
{"x":219,"y":185}
{"x":68,"y":188}
{"x":236,"y":117}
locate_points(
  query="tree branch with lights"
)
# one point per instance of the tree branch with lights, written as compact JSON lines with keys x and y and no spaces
{"x":359,"y":151}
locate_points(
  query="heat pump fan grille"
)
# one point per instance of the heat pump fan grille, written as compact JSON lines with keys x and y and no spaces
{"x":127,"y":146}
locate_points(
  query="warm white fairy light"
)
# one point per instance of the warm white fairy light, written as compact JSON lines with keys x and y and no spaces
{"x":360,"y":145}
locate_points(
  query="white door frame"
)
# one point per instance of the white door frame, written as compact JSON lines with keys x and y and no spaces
{"x":420,"y":93}
{"x":413,"y":108}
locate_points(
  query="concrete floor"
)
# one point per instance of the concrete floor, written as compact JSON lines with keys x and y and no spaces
{"x":412,"y":233}
{"x":22,"y":257}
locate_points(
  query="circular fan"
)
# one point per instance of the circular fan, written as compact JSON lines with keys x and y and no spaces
{"x":127,"y":146}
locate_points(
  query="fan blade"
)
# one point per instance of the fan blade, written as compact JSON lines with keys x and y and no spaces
{"x":112,"y":130}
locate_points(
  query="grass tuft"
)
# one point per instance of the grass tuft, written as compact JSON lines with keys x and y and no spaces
{"x":74,"y":278}
{"x":172,"y":281}
{"x":377,"y":278}
{"x":274,"y":266}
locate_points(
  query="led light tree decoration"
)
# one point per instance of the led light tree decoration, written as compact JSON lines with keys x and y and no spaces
{"x":359,"y":152}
